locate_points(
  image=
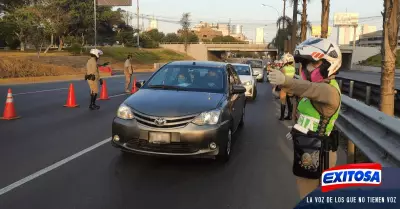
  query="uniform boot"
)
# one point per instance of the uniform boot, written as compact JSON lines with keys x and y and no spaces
{"x":93,"y":105}
{"x":290,"y":109}
{"x":96,"y":107}
{"x":283,"y":108}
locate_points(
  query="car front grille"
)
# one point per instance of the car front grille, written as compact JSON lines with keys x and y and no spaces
{"x":173,"y":147}
{"x":170,"y":122}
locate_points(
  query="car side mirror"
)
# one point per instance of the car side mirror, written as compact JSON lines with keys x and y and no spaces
{"x":238,"y":89}
{"x":140,"y":83}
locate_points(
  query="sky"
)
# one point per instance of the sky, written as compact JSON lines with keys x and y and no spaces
{"x":251,"y":14}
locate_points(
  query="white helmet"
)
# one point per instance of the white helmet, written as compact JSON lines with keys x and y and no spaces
{"x":96,"y":52}
{"x":287,"y":58}
{"x":315,"y":49}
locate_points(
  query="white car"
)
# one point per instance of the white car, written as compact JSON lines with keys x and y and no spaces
{"x":248,"y":79}
{"x":257,"y":65}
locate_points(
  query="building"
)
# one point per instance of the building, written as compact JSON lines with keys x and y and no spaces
{"x":153,"y":24}
{"x":224,"y":28}
{"x":237,"y":29}
{"x":260,"y":35}
{"x":316,"y":31}
{"x":373,"y":39}
{"x":346,"y":33}
{"x":207,"y":33}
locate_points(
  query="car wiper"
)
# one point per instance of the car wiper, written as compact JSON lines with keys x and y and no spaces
{"x":166,"y":87}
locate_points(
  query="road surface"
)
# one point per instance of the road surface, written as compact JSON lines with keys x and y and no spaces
{"x":369,"y":77}
{"x":78,"y":168}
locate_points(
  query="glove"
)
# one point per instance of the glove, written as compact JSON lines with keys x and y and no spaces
{"x":276,"y":77}
{"x":101,"y":81}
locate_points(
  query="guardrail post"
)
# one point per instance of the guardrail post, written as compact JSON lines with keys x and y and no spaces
{"x":350,"y":151}
{"x":368,"y":96}
{"x":351,"y":88}
{"x":340,"y":84}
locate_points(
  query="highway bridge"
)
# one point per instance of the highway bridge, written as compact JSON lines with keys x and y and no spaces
{"x":215,"y":51}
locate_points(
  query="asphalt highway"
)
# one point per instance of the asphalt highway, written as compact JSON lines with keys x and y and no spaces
{"x":56,"y":157}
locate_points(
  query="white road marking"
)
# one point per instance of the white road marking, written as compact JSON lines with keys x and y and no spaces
{"x":51,"y":167}
{"x":34,"y":92}
{"x":118,"y":95}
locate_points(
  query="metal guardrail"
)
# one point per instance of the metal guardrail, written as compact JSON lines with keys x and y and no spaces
{"x":367,"y":92}
{"x":376,"y":134}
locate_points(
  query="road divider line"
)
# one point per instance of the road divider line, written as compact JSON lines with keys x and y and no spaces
{"x":34,"y":92}
{"x":118,"y":95}
{"x":51,"y":167}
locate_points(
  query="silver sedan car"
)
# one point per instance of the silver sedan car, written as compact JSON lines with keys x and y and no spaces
{"x":247,"y":77}
{"x":258,"y":67}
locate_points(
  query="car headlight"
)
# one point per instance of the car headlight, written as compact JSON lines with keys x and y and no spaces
{"x":124,"y":112}
{"x":248,"y":83}
{"x":207,"y":118}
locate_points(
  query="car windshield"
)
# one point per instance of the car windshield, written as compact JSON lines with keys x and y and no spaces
{"x":242,"y":70}
{"x":189,"y":78}
{"x":255,"y":63}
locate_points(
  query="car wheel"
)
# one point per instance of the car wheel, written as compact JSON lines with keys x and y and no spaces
{"x":254,"y":94}
{"x":241,"y":124}
{"x":225,"y":152}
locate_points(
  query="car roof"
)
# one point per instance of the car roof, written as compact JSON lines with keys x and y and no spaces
{"x":199,"y":63}
{"x":240,"y":64}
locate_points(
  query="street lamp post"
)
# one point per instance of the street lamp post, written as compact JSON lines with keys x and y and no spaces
{"x":279,"y":25}
{"x":138,"y":30}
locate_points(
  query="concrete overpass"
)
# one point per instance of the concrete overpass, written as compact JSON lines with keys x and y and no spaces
{"x":214,"y":51}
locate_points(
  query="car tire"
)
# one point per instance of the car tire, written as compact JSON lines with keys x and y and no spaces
{"x":254,"y":94}
{"x":241,"y":123}
{"x":225,"y":150}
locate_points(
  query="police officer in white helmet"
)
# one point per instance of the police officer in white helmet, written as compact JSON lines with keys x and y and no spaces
{"x":93,"y":77}
{"x":313,"y":134}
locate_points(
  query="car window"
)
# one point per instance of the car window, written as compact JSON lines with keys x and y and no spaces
{"x":242,"y":70}
{"x":255,"y":63}
{"x":189,"y":78}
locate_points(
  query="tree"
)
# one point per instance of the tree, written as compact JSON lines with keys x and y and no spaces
{"x":304,"y":23}
{"x":391,"y":22}
{"x":225,"y":39}
{"x":325,"y":18}
{"x":155,"y":35}
{"x":185,"y":23}
{"x":171,"y":37}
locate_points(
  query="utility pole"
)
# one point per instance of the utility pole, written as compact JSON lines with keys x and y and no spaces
{"x":95,"y":23}
{"x":138,"y":29}
{"x":354,"y":37}
{"x":229,"y":27}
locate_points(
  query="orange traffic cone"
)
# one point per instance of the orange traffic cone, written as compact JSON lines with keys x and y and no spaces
{"x":71,"y":97}
{"x":104,"y":94}
{"x":9,"y":109}
{"x":134,"y":90}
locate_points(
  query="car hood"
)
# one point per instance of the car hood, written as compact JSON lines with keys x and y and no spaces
{"x":245,"y":78}
{"x":172,"y":103}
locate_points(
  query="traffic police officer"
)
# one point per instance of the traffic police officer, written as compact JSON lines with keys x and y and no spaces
{"x":128,"y":71}
{"x":289,"y":70}
{"x":93,"y":77}
{"x":318,"y":109}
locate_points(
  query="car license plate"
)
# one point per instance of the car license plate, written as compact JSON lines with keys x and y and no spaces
{"x":159,"y":138}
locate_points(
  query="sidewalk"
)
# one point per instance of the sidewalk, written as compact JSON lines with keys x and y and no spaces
{"x":369,"y":69}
